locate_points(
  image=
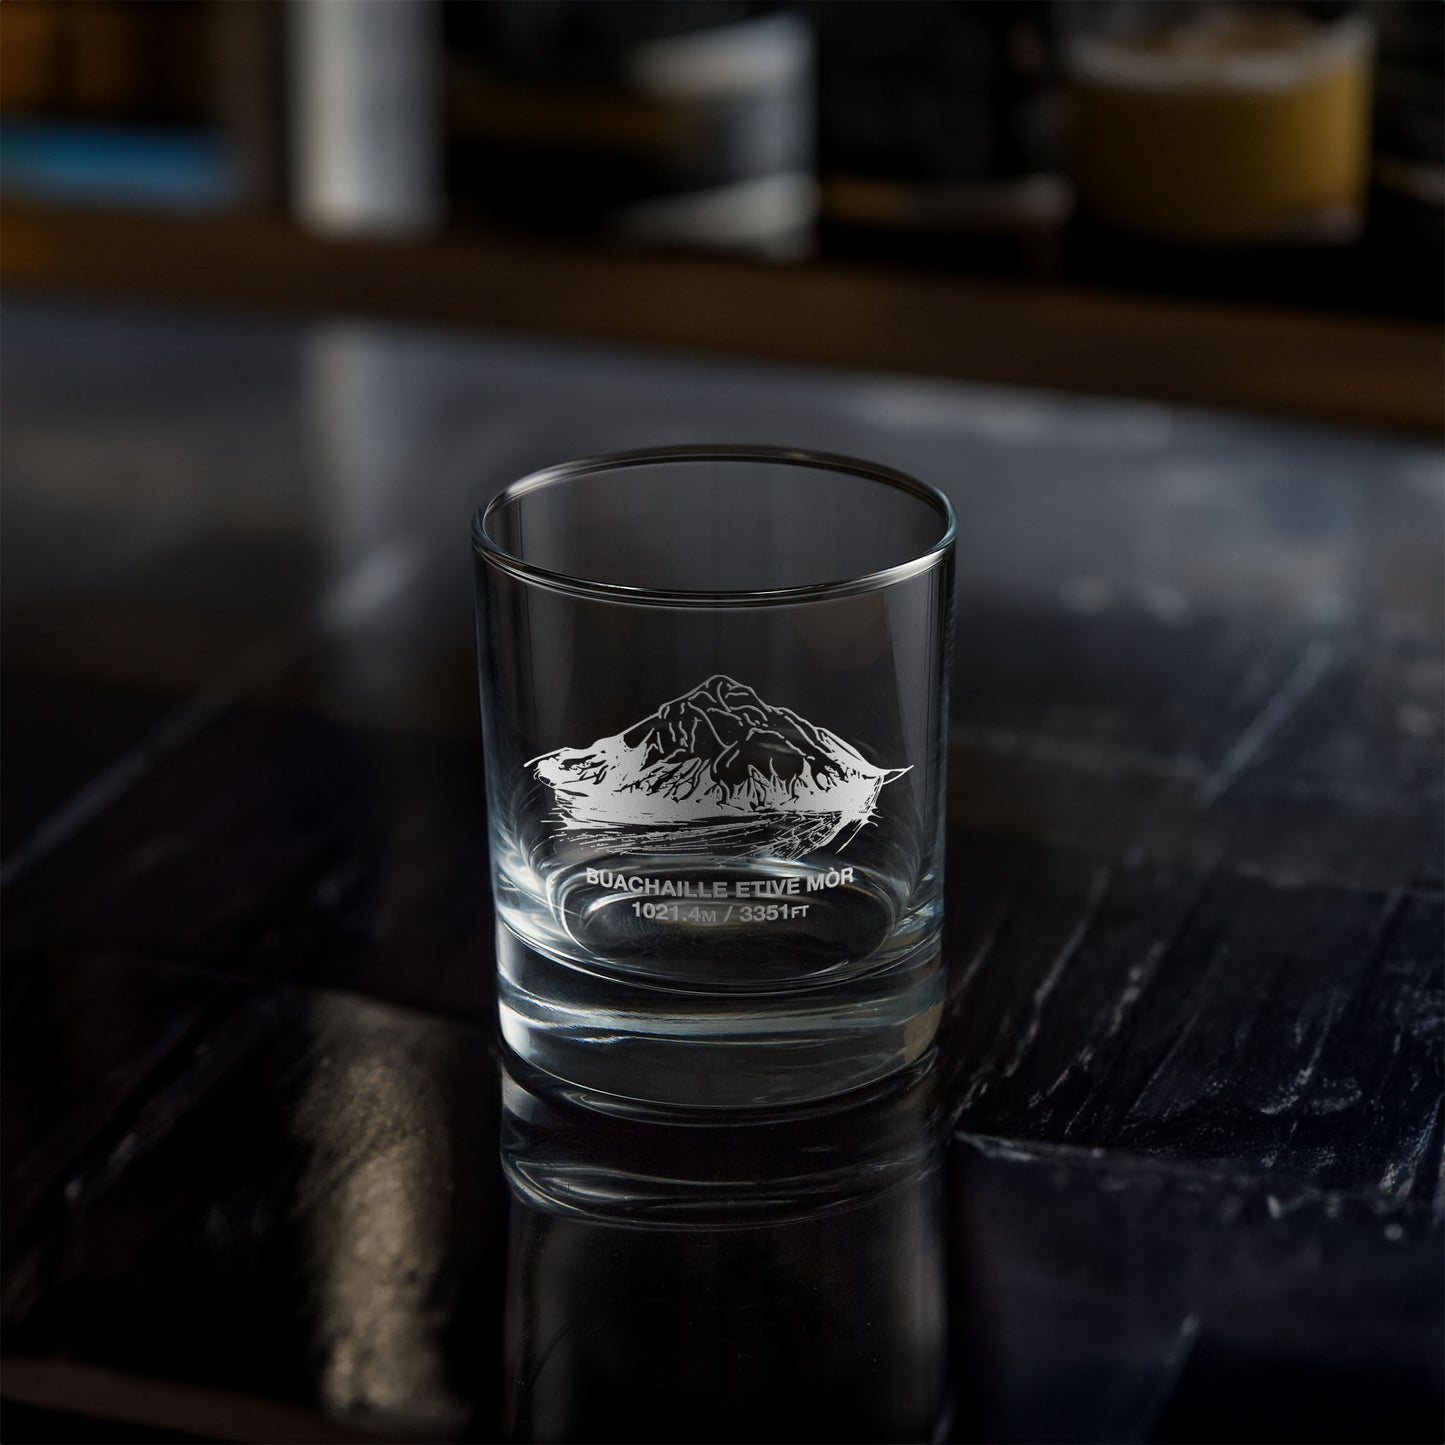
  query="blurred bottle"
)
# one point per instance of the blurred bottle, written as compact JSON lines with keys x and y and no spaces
{"x":684,"y":124}
{"x":112,"y":103}
{"x":29,"y":59}
{"x":1221,"y":124}
{"x":939,"y":131}
{"x":366,"y":115}
{"x":1406,"y":231}
{"x":106,"y":60}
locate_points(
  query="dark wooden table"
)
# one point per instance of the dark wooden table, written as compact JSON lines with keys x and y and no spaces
{"x":1185,"y":1177}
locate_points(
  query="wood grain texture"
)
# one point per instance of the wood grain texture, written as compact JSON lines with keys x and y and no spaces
{"x":1124,"y":1004}
{"x":303,"y":1210}
{"x":1105,"y":1297}
{"x":1191,"y":1063}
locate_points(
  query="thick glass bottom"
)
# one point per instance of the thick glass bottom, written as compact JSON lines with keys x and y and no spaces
{"x":703,"y":1049}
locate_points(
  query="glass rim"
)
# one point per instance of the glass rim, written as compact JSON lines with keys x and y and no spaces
{"x":491,"y":551}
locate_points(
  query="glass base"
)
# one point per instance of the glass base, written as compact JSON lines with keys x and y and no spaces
{"x":702,"y":1050}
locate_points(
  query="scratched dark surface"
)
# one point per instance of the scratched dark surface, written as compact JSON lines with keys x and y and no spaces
{"x":1187,"y":1182}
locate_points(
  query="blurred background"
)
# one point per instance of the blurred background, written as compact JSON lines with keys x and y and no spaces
{"x":1016,"y":190}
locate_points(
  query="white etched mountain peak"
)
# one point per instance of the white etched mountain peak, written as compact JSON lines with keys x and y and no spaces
{"x":716,"y":755}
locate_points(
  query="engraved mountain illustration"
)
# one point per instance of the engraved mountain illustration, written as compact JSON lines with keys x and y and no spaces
{"x":718,"y":762}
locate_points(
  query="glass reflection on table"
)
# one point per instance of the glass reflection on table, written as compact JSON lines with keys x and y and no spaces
{"x":725,"y":1274}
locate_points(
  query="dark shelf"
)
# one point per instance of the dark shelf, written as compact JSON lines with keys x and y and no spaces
{"x":1345,"y":368}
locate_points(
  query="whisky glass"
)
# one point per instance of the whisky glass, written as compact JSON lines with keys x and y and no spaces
{"x":714,"y":689}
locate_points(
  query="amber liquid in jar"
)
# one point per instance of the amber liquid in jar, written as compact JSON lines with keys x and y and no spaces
{"x":1228,"y":127}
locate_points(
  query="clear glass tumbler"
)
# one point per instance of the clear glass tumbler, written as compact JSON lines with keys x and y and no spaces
{"x":714,"y":689}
